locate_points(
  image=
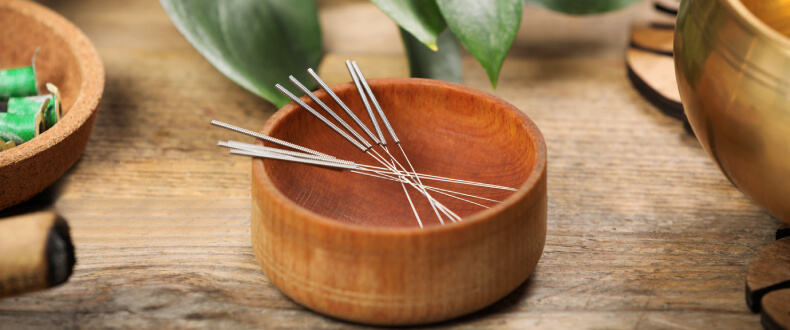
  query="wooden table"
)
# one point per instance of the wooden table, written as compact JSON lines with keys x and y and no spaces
{"x":643,"y":230}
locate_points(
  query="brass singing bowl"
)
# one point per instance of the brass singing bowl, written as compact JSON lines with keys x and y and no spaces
{"x":732,"y":60}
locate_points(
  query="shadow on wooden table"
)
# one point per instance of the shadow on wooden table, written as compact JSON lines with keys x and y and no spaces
{"x":501,"y":306}
{"x":43,"y":201}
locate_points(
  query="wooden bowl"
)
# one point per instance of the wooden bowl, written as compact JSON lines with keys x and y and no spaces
{"x":66,"y":59}
{"x":732,"y":59}
{"x":349,"y":246}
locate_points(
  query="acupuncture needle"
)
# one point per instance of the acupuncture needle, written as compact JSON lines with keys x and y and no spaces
{"x":290,"y":159}
{"x":450,"y":180}
{"x":323,"y":119}
{"x":383,"y":141}
{"x":370,"y":168}
{"x":342,"y":105}
{"x":364,"y":90}
{"x":336,"y":165}
{"x":328,"y":110}
{"x":313,"y":152}
{"x":312,"y":111}
{"x":267,"y":138}
{"x":337,"y":118}
{"x":348,"y":127}
{"x":345,"y":108}
{"x":356,"y":73}
{"x":363,"y":148}
{"x":253,"y":147}
{"x":348,"y":111}
{"x":320,"y":117}
{"x":270,"y":155}
{"x":342,"y":122}
{"x":427,"y":187}
{"x":286,"y":144}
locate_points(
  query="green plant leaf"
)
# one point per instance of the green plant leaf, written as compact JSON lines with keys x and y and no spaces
{"x":256,"y":43}
{"x":581,"y":7}
{"x":486,"y":28}
{"x":420,"y":17}
{"x":444,"y":64}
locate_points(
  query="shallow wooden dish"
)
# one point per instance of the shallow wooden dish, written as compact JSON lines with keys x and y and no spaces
{"x":67,"y":59}
{"x":348,"y":246}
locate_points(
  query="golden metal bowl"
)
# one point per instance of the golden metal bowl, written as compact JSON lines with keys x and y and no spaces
{"x":732,"y":59}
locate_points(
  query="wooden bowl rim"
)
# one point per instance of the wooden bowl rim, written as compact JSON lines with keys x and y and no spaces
{"x":91,"y":85}
{"x":527,"y":188}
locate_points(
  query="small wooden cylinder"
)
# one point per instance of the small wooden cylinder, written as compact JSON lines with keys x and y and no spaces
{"x":348,"y":246}
{"x":37,"y":253}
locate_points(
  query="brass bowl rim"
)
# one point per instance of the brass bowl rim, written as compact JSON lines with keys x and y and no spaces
{"x":750,"y":23}
{"x":755,"y":24}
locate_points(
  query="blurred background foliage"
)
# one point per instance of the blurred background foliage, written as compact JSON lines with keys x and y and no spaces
{"x":259,"y":43}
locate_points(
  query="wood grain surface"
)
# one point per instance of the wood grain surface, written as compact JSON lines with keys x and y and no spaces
{"x":643,"y":229}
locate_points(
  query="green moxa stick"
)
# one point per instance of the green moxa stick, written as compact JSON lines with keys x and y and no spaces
{"x":24,"y":120}
{"x":49,"y":103}
{"x":30,"y":104}
{"x":7,"y":145}
{"x":52,"y":113}
{"x":7,"y":137}
{"x":17,"y":82}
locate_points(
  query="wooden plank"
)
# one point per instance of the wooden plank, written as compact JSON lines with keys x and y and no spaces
{"x":643,"y":229}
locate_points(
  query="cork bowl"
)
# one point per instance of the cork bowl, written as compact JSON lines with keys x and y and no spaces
{"x":349,"y":246}
{"x":67,"y":59}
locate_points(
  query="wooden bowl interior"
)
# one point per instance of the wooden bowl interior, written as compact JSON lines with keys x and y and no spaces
{"x":444,"y":129}
{"x":774,"y":13}
{"x":21,"y":35}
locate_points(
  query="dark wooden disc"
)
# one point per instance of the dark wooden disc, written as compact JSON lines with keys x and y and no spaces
{"x":653,"y":37}
{"x":653,"y":75}
{"x":667,"y":6}
{"x":776,"y":310}
{"x":768,"y":282}
{"x":651,"y":68}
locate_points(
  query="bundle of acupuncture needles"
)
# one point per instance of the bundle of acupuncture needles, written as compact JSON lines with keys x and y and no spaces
{"x":390,"y":168}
